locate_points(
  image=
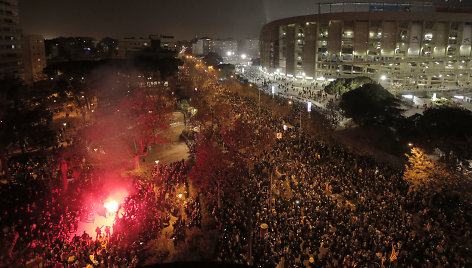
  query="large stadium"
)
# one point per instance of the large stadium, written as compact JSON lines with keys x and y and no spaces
{"x":403,"y":46}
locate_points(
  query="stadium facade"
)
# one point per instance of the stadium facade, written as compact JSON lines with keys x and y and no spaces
{"x":402,"y":46}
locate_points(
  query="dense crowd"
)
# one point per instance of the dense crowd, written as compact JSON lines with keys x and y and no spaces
{"x":305,"y":203}
{"x":304,"y":92}
{"x":39,"y":219}
{"x":327,"y":207}
{"x":305,"y":89}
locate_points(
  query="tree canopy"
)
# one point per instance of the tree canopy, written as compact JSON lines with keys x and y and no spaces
{"x":343,"y":85}
{"x":370,"y":104}
{"x":447,"y":128}
{"x":424,"y":174}
{"x":226,"y":69}
{"x":24,"y":122}
{"x":212,"y":59}
{"x":77,"y":69}
{"x":138,"y":122}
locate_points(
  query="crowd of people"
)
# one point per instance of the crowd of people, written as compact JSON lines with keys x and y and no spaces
{"x":308,"y":203}
{"x":304,"y":203}
{"x":304,"y":93}
{"x":39,"y":228}
{"x":305,"y":89}
{"x":48,"y":193}
{"x":44,"y":203}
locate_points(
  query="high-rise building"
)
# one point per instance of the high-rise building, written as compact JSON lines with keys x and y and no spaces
{"x":10,"y":39}
{"x":403,"y":46}
{"x":34,"y":57}
{"x":226,"y":48}
{"x":250,"y":48}
{"x":201,"y":47}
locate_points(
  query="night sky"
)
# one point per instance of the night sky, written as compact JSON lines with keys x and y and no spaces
{"x":184,"y":19}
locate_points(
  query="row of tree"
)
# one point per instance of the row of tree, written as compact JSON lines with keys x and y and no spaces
{"x":225,"y":143}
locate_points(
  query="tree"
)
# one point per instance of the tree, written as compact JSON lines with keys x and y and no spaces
{"x":24,"y":120}
{"x":343,"y":85}
{"x":226,"y":69}
{"x":130,"y":128}
{"x":107,"y":47}
{"x":145,"y":117}
{"x":424,"y":174}
{"x":208,"y":173}
{"x":449,"y":129}
{"x":24,"y":123}
{"x":215,"y":171}
{"x":212,"y":59}
{"x":371,"y":104}
{"x":238,"y":137}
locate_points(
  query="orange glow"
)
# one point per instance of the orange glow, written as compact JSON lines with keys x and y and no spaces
{"x":111,"y":206}
{"x":97,"y":219}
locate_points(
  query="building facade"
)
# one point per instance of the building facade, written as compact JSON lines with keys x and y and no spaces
{"x":201,"y":47}
{"x":168,"y":42}
{"x":34,"y":57}
{"x":249,"y":47}
{"x":129,"y":46}
{"x":10,"y":40}
{"x":224,"y":47}
{"x":401,"y":46}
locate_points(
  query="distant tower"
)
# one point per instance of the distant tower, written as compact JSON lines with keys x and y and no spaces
{"x":34,"y":57}
{"x":10,"y":40}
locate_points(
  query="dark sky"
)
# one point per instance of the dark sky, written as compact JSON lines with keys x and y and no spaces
{"x":182,"y":18}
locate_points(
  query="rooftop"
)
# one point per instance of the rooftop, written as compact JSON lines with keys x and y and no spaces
{"x":394,"y":6}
